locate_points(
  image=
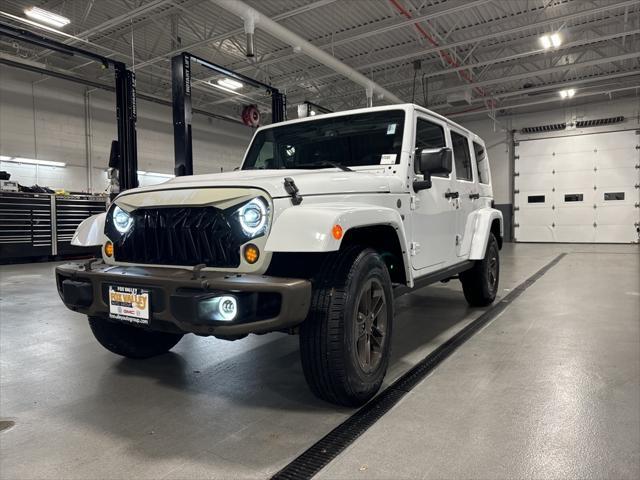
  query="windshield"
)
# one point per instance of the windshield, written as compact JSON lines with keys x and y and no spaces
{"x":372,"y":138}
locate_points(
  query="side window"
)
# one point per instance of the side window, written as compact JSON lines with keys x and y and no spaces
{"x":429,"y":135}
{"x":482,"y":163}
{"x":462,"y":156}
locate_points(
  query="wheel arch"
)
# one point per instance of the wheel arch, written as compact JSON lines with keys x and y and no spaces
{"x":308,"y":230}
{"x":90,"y":232}
{"x":488,"y":221}
{"x":384,"y":240}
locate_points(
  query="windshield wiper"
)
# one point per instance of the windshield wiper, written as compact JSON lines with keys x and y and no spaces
{"x":326,"y":163}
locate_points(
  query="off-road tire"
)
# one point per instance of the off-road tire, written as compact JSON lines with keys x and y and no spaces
{"x":331,"y":348}
{"x":480,"y":283}
{"x":130,"y":341}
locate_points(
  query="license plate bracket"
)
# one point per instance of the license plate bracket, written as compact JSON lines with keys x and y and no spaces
{"x":129,"y":304}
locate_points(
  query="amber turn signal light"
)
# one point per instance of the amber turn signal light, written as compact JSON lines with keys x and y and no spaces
{"x":336,"y":231}
{"x":108,"y":249}
{"x":251,"y":253}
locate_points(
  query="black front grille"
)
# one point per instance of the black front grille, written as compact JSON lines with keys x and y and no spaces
{"x":178,"y":236}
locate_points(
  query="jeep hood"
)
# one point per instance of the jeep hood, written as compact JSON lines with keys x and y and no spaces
{"x":309,"y":182}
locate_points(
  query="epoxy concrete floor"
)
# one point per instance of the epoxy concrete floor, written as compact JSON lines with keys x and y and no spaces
{"x":550,"y":388}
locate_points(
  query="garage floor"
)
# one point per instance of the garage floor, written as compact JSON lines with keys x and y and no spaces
{"x":550,"y":388}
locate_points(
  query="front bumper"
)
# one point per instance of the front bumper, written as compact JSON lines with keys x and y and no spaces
{"x":270,"y":303}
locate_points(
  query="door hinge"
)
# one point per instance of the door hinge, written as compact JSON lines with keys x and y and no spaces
{"x":516,"y":191}
{"x":517,"y":225}
{"x":458,"y":239}
{"x":414,"y":203}
{"x":414,"y":248}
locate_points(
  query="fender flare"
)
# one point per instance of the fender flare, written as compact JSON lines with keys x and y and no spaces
{"x":484,"y":219}
{"x":90,"y":232}
{"x":308,"y":228}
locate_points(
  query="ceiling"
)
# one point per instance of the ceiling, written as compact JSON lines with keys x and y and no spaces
{"x":475,"y":56}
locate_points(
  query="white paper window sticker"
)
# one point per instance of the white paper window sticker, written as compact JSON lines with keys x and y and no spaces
{"x":388,"y":159}
{"x":391,"y":128}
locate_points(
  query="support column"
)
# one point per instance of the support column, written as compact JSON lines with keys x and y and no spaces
{"x":181,"y":93}
{"x":126,"y":117}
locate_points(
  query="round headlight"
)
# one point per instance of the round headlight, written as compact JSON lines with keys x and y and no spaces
{"x":122,"y":220}
{"x":254,"y":216}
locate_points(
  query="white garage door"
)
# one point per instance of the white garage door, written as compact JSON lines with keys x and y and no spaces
{"x":581,"y":188}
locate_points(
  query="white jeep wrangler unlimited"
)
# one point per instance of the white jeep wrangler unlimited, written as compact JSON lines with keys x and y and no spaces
{"x":326,"y":221}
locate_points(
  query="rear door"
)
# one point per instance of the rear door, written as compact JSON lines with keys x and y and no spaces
{"x":465,"y":190}
{"x":434,"y":215}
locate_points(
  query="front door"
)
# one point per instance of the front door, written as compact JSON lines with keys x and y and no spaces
{"x":434,"y":213}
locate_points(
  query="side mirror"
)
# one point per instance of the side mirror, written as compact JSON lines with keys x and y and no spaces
{"x":430,"y":161}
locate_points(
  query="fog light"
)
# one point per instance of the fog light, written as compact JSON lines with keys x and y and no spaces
{"x":222,"y":309}
{"x":251,"y":253}
{"x":108,"y":249}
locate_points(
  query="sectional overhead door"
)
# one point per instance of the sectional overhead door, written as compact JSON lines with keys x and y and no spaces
{"x":581,"y":188}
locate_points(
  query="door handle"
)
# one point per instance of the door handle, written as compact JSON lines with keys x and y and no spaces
{"x":474,"y":196}
{"x":451,"y":195}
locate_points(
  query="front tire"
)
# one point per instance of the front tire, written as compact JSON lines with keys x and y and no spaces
{"x":480,"y":283}
{"x":345,"y":342}
{"x":130,"y":341}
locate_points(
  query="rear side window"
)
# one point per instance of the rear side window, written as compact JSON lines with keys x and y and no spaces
{"x":462,"y":156}
{"x":482,"y":163}
{"x":429,"y":135}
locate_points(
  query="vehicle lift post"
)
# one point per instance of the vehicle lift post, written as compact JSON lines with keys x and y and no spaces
{"x":125,"y":99}
{"x":182,"y":108}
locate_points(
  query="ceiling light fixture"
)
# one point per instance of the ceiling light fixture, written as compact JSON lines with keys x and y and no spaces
{"x":229,"y":83}
{"x":551,"y":40}
{"x":32,"y":161}
{"x":569,"y":93}
{"x":50,"y":18}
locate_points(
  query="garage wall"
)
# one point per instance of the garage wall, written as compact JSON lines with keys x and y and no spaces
{"x":46,"y":119}
{"x":496,"y":136}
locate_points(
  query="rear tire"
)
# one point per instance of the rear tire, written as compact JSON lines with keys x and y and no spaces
{"x":130,"y":341}
{"x":480,"y":283}
{"x":345,"y":340}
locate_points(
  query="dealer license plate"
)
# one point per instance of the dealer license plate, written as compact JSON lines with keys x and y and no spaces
{"x":129,"y":304}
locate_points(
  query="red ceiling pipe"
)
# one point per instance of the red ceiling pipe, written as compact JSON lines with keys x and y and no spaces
{"x":445,"y":55}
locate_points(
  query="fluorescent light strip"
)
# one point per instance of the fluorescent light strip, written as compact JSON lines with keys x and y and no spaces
{"x":229,"y":83}
{"x":155,"y":174}
{"x":228,"y":90}
{"x":47,"y":17}
{"x":32,"y":161}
